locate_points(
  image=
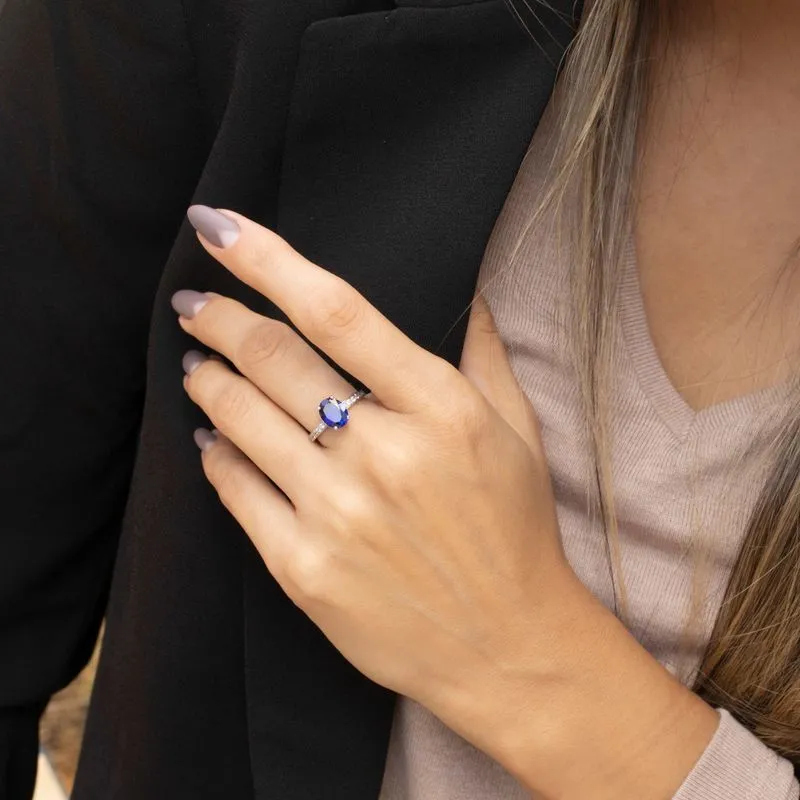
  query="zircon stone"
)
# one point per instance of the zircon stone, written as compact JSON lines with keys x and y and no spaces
{"x":332,"y":414}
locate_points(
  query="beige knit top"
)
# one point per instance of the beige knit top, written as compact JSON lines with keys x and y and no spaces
{"x":682,"y":479}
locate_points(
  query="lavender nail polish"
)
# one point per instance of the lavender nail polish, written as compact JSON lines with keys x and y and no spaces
{"x":188,"y":302}
{"x":204,"y":439}
{"x":220,"y":230}
{"x":192,"y":360}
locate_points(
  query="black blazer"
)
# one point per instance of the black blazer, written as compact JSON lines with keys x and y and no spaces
{"x":380,"y":137}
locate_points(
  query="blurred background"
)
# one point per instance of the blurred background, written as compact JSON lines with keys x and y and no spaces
{"x":62,"y":730}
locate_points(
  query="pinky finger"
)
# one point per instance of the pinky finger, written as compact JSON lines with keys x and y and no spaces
{"x":263,"y":511}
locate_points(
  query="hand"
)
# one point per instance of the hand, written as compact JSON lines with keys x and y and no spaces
{"x":422,"y":537}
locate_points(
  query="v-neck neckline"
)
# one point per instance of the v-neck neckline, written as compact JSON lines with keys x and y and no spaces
{"x":665,"y":398}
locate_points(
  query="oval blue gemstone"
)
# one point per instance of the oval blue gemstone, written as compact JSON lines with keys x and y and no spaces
{"x":331,"y":413}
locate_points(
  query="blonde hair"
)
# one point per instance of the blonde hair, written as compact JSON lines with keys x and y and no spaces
{"x":751,"y":665}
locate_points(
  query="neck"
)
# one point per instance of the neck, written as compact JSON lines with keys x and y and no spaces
{"x":746,"y":24}
{"x":716,"y":218}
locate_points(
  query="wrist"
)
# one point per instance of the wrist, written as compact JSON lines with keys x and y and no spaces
{"x":576,"y":707}
{"x":621,"y":726}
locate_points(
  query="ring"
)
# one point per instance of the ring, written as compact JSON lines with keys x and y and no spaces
{"x":334,"y":413}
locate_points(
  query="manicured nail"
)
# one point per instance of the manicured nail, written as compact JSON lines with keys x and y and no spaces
{"x":188,"y":303}
{"x":192,"y":360}
{"x":220,"y":230}
{"x":204,"y":439}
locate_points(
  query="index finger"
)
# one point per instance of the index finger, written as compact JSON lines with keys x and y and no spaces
{"x":326,"y":309}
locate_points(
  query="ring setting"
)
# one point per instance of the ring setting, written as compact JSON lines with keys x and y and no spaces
{"x":334,"y":413}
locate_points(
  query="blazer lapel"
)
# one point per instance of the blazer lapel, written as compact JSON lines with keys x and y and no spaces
{"x":405,"y":133}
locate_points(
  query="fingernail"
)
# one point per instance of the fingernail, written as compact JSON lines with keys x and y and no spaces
{"x":204,"y":439}
{"x":220,"y":230}
{"x":188,"y":303}
{"x":192,"y":360}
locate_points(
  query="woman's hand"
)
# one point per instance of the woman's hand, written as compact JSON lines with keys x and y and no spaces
{"x":423,"y":533}
{"x":422,"y":537}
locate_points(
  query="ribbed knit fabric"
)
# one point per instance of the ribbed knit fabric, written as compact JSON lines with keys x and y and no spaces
{"x":683,"y":480}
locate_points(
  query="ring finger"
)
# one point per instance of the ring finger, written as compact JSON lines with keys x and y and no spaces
{"x":269,"y":353}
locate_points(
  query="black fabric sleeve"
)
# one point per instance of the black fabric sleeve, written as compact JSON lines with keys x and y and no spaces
{"x":100,"y":147}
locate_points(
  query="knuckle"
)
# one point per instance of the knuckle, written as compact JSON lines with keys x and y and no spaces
{"x":268,"y":341}
{"x":309,"y":571}
{"x":334,"y":310}
{"x":445,"y":377}
{"x":231,"y":404}
{"x":255,"y":257}
{"x":467,"y":414}
{"x":446,"y":383}
{"x":349,"y":510}
{"x":398,"y":460}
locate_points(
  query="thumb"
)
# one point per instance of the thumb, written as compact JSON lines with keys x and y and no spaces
{"x":485,"y":362}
